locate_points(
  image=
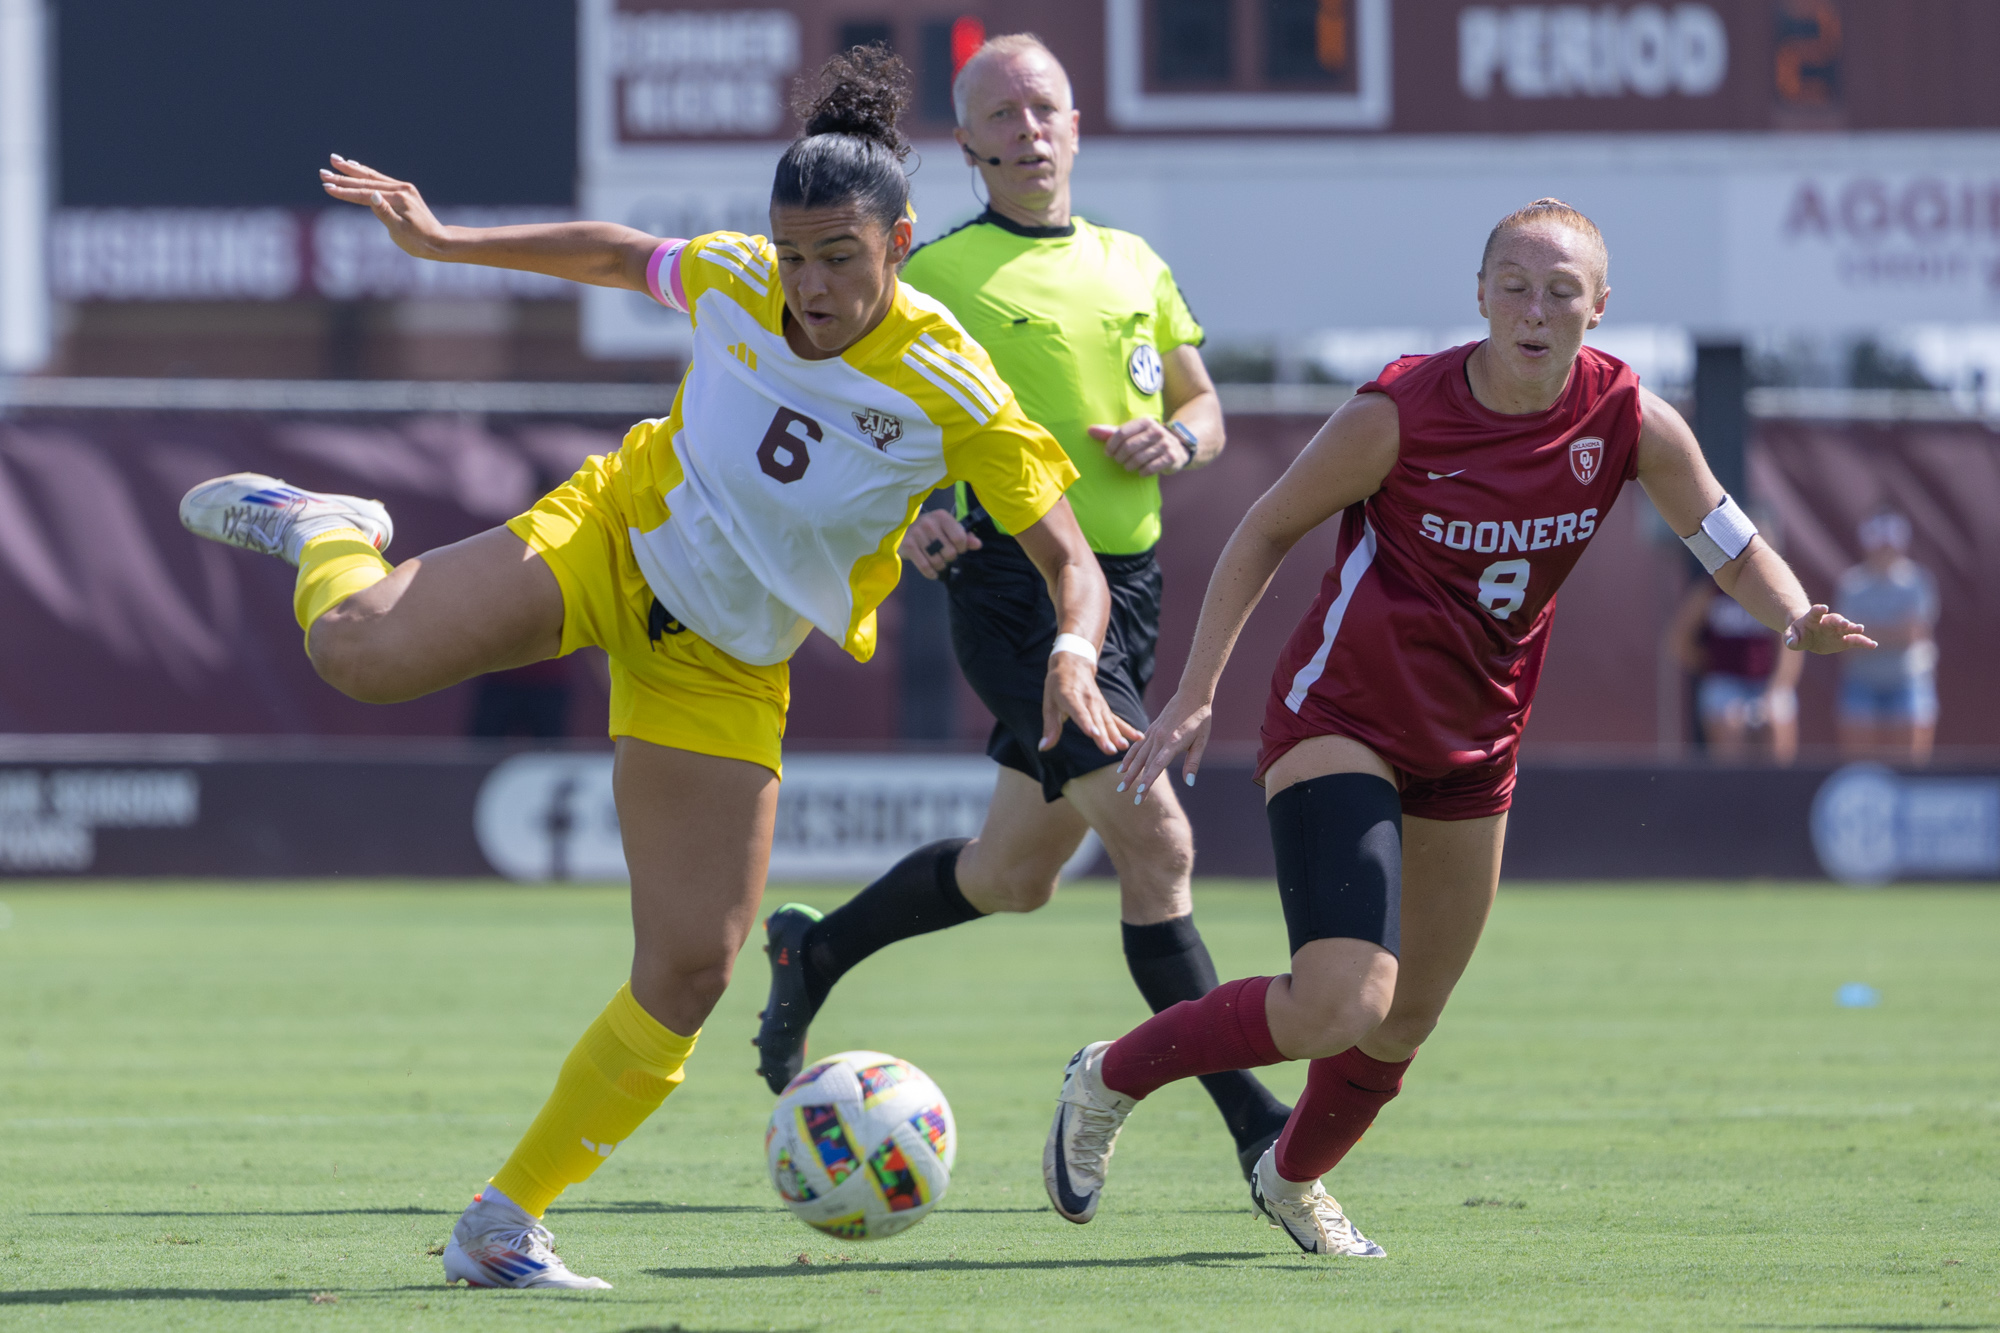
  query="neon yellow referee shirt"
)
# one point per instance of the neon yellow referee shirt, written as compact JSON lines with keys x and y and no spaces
{"x":1077,"y":320}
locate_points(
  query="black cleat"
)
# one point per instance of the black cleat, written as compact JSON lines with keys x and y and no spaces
{"x":1247,"y":1154}
{"x":789,"y":1010}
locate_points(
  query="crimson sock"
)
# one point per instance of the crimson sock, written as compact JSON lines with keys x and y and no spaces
{"x":1224,"y":1029}
{"x":1170,"y":964}
{"x":1343,"y":1093}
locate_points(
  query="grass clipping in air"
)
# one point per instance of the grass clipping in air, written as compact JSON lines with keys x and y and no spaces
{"x":263,"y":1108}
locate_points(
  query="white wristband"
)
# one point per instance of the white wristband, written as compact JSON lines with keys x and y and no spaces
{"x":1722,"y":536}
{"x":1075,"y":643}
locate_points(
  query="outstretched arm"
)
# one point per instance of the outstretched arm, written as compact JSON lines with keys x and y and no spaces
{"x":1677,"y":480}
{"x":602,"y":254}
{"x":1346,"y":462}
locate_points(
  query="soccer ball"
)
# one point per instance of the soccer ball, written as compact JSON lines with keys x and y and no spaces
{"x":861,"y":1145}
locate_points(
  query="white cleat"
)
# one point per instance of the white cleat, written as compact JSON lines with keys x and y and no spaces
{"x":271,"y":517}
{"x":1088,"y":1118}
{"x":1307,"y":1213}
{"x":496,"y":1244}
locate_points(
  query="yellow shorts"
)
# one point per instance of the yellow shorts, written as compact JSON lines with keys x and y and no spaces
{"x":678,"y":690}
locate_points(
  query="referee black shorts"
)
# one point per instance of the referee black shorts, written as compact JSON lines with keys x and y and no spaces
{"x":1002,"y":627}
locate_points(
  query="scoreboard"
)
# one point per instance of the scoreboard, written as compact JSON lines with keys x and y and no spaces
{"x":683,"y":70}
{"x":1317,"y":164}
{"x":1305,"y":165}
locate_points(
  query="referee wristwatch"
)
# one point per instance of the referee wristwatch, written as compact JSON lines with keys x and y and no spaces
{"x":1186,"y":436}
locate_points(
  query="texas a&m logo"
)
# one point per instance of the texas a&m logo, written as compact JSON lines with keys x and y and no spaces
{"x":880,"y":427}
{"x":1585,"y":457}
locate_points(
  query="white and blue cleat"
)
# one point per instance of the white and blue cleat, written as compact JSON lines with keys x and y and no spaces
{"x":496,"y":1244}
{"x":1307,"y":1213}
{"x":272,"y":517}
{"x":1088,"y":1118}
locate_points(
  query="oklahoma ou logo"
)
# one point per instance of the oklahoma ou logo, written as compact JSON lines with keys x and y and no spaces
{"x":1585,"y":457}
{"x":880,"y":427}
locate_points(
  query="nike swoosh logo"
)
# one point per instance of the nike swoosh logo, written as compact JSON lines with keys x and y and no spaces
{"x":1071,"y":1201}
{"x":1440,"y":476}
{"x":1271,"y":1215}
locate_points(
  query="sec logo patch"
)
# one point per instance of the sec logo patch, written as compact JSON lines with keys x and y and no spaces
{"x":1585,"y":457}
{"x":1146,"y":371}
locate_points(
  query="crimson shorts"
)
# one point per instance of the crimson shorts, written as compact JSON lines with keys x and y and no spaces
{"x":1473,"y":791}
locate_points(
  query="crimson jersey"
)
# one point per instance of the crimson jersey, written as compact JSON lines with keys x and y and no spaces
{"x":1427,"y":638}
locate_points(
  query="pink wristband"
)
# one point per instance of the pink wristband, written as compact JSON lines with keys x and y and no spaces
{"x":669,"y":293}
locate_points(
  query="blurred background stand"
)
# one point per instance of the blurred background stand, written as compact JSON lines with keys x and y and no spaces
{"x":1799,"y":199}
{"x":26,"y":329}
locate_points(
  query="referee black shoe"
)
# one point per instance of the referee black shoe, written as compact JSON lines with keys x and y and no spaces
{"x":789,"y":1009}
{"x":1248,"y":1155}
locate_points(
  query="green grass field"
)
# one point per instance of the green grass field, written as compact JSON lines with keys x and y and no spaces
{"x":263,"y":1107}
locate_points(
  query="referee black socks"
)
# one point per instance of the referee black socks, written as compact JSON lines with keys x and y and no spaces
{"x":918,"y":895}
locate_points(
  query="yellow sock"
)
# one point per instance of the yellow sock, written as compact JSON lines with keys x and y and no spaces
{"x":332,"y":568}
{"x":620,"y":1071}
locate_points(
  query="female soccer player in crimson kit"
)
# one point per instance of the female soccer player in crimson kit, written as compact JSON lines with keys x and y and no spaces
{"x":1467,"y":484}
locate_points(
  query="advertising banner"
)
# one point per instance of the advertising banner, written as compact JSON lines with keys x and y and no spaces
{"x":140,"y":807}
{"x":841,"y":817}
{"x":1873,"y":243}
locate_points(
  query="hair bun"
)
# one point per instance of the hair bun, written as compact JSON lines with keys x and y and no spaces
{"x":862,"y":93}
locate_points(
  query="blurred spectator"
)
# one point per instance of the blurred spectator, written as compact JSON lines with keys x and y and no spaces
{"x":1888,"y":697}
{"x":1746,"y":687}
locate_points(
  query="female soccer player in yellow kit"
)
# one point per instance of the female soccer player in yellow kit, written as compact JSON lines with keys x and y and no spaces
{"x":822,"y":402}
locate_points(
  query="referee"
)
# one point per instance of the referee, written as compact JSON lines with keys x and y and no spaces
{"x":1088,"y":327}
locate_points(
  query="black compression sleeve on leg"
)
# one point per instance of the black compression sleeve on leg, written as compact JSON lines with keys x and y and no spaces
{"x":919,"y":894}
{"x":1338,"y":842}
{"x":1170,"y":964}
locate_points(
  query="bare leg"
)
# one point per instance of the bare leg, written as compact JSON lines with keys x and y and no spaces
{"x":1784,"y":733}
{"x":1904,"y":742}
{"x":1151,"y":844}
{"x":1860,"y":740}
{"x":1451,"y":871}
{"x":1014,"y":863}
{"x":1727,"y":739}
{"x":697,"y":833}
{"x":484,"y":604}
{"x":1922,"y":736}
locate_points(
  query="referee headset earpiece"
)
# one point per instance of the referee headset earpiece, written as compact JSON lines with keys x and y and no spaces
{"x":972,"y":160}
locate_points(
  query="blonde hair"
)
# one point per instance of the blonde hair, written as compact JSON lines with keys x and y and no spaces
{"x":1006,"y":44}
{"x":1557,"y":212}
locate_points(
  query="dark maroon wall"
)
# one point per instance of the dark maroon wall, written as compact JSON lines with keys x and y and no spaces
{"x":118,"y":621}
{"x":1822,"y":478}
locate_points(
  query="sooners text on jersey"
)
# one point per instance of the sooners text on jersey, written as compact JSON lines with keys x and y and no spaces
{"x":1427,"y":638}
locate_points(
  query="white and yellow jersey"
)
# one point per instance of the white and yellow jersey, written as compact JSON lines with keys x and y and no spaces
{"x":770,"y":501}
